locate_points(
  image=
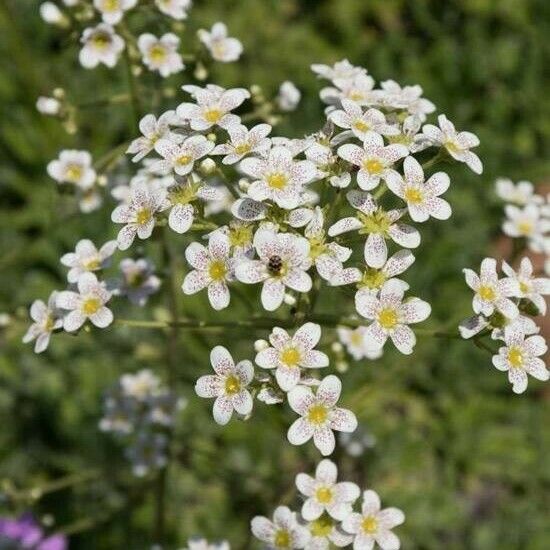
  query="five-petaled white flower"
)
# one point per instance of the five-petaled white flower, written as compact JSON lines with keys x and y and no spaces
{"x":284,"y":260}
{"x":139,"y":215}
{"x":325,"y":532}
{"x":87,"y":257}
{"x":140,"y":385}
{"x":177,"y":9}
{"x":341,"y":70}
{"x":390,"y":315}
{"x":212,"y":269}
{"x":221,"y":47}
{"x":520,"y":356}
{"x":278,"y":177}
{"x":358,"y":89}
{"x":410,"y":98}
{"x":520,"y":193}
{"x":374,"y":159}
{"x":379,"y":225}
{"x":47,"y":318}
{"x":101,"y":45}
{"x":525,"y":222}
{"x":324,"y":494}
{"x":161,"y":54}
{"x":213,"y":107}
{"x":353,"y":118}
{"x":457,"y":144}
{"x":181,"y":157}
{"x":244,"y":142}
{"x":374,"y":525}
{"x":283,"y":533}
{"x":73,"y":167}
{"x":422,"y":197}
{"x":491,"y":293}
{"x":319,"y":415}
{"x":288,"y":354}
{"x":112,"y":11}
{"x":358,"y":344}
{"x":138,"y":280}
{"x":228,"y":385}
{"x":529,"y":287}
{"x":88,"y":303}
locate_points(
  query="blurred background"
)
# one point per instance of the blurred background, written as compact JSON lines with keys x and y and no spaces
{"x":447,"y":441}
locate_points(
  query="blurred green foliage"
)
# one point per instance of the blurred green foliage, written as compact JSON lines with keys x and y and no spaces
{"x":463,"y":456}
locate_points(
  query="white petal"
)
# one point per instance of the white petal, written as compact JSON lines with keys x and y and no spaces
{"x":300,"y":432}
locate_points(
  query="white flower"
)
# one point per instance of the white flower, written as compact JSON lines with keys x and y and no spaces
{"x":319,"y":415}
{"x":228,"y":385}
{"x":374,"y":159}
{"x":48,"y":105}
{"x":358,"y":89}
{"x":177,"y":9}
{"x":390,"y":315}
{"x":244,"y":142}
{"x":203,"y":544}
{"x":148,"y":453}
{"x":89,"y":199}
{"x":284,"y":532}
{"x":357,"y":343}
{"x":221,"y":47}
{"x":140,"y":385}
{"x":520,"y":193}
{"x":139,"y":215}
{"x":341,"y":70}
{"x":288,"y":354}
{"x":47,"y":318}
{"x":324,"y":494}
{"x":181,"y":157}
{"x":278,"y":177}
{"x":153,"y":129}
{"x":394,"y":96}
{"x":525,"y":222}
{"x":51,"y":14}
{"x":288,"y":96}
{"x":161,"y":54}
{"x":73,"y":167}
{"x":379,"y":225}
{"x":490,"y":292}
{"x":520,"y":357}
{"x":87,"y":258}
{"x":138,"y":280}
{"x":457,"y":144}
{"x":88,"y":303}
{"x":112,"y":11}
{"x":374,"y":525}
{"x":213,"y":107}
{"x":353,"y":118}
{"x":212,"y":269}
{"x":325,"y":531}
{"x":101,"y":45}
{"x":284,"y":260}
{"x":528,"y":286}
{"x":422,"y":197}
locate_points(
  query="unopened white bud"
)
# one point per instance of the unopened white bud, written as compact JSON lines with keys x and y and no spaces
{"x":51,"y":14}
{"x":48,"y":105}
{"x":207,"y":167}
{"x":102,"y":180}
{"x":342,"y":366}
{"x":289,"y":299}
{"x":336,"y":347}
{"x":244,"y":184}
{"x":260,"y":345}
{"x":5,"y":319}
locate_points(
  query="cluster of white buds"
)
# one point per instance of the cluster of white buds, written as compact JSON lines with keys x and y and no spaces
{"x":141,"y":410}
{"x":327,"y":517}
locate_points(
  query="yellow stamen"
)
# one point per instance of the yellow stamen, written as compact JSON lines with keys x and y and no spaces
{"x":317,"y":414}
{"x":373,"y":278}
{"x":524,"y":288}
{"x":370,"y":525}
{"x":378,"y":222}
{"x":515,"y":357}
{"x":101,"y":40}
{"x":413,"y":195}
{"x":232,"y":385}
{"x":143,"y":216}
{"x":387,"y":318}
{"x":240,"y":235}
{"x":487,"y":293}
{"x":184,"y":160}
{"x":373,"y":166}
{"x":242,"y":149}
{"x":73,"y":173}
{"x":277,"y":180}
{"x":323,"y":495}
{"x":290,"y":357}
{"x":158,"y":53}
{"x":90,"y":306}
{"x":213,"y":115}
{"x":361,"y":125}
{"x":321,"y":527}
{"x":92,"y":264}
{"x":217,"y":270}
{"x":452,"y":147}
{"x":525,"y":227}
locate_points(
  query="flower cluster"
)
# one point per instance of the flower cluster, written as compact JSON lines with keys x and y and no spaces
{"x":327,"y":517}
{"x":140,"y":408}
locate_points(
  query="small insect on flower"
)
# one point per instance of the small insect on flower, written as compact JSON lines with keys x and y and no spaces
{"x":319,"y":415}
{"x":390,"y":315}
{"x":221,"y":47}
{"x":283,"y":532}
{"x":177,"y":9}
{"x":324,"y":494}
{"x":374,"y":525}
{"x":244,"y":142}
{"x":74,"y":167}
{"x":289,"y":354}
{"x":112,"y":11}
{"x":88,"y":303}
{"x":213,"y":268}
{"x":161,"y":54}
{"x":101,"y":45}
{"x":228,"y":385}
{"x":47,"y":318}
{"x":87,"y":258}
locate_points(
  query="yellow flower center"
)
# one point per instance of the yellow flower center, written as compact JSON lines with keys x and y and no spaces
{"x":525,"y":227}
{"x":413,"y":195}
{"x":183,"y":194}
{"x":356,"y":95}
{"x":135,"y":279}
{"x":387,"y":318}
{"x":370,"y":525}
{"x":48,"y":323}
{"x":321,"y":527}
{"x":290,"y":357}
{"x":373,"y":166}
{"x":317,"y":414}
{"x":242,"y":149}
{"x":379,"y":222}
{"x":212,"y":115}
{"x":158,"y":53}
{"x":487,"y":293}
{"x":361,"y":125}
{"x":91,"y":264}
{"x":524,"y":287}
{"x":111,"y":5}
{"x":218,"y":49}
{"x":323,"y":495}
{"x":143,"y":216}
{"x":232,"y":385}
{"x":373,"y":278}
{"x":90,"y":306}
{"x":217,"y":270}
{"x":101,"y":40}
{"x":356,"y":338}
{"x":73,"y":172}
{"x":277,"y":180}
{"x":184,"y":160}
{"x":240,"y":235}
{"x":452,"y":146}
{"x":515,"y":357}
{"x":316,"y":247}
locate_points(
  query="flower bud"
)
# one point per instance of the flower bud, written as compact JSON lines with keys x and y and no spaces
{"x":48,"y":105}
{"x":260,"y":345}
{"x":289,"y":299}
{"x":244,"y":184}
{"x":336,"y":347}
{"x":207,"y":167}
